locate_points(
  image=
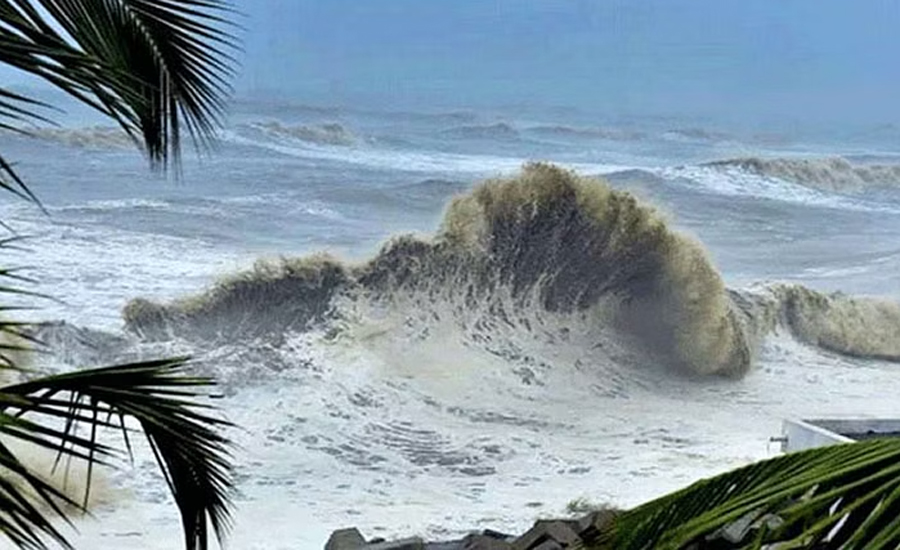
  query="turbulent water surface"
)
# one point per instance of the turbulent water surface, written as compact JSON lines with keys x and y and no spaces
{"x":426,"y":323}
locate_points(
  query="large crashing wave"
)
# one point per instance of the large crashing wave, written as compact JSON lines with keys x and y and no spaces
{"x":517,"y":251}
{"x":826,"y":174}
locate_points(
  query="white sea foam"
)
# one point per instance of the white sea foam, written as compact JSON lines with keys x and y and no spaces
{"x":829,"y":174}
{"x":310,"y":440}
{"x":377,"y":424}
{"x":411,"y":161}
{"x":93,"y":269}
{"x":736,"y":182}
{"x":91,"y":137}
{"x":412,"y":415}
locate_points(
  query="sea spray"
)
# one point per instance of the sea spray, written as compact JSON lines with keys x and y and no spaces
{"x":272,"y":297}
{"x":536,"y":258}
{"x":546,"y":238}
{"x":856,"y":326}
{"x":583,"y":245}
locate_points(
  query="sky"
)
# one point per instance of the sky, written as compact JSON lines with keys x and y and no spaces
{"x":807,"y":59}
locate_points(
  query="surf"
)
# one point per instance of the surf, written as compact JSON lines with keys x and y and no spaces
{"x":831,"y":174}
{"x":516,"y":255}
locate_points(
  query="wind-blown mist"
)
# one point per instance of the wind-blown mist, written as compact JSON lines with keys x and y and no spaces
{"x":517,"y":251}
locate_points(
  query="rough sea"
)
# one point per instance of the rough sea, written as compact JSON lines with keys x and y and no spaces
{"x":540,"y":339}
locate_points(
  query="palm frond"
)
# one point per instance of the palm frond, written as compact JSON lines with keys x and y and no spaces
{"x":193,"y":456}
{"x":20,"y":519}
{"x":15,"y":337}
{"x":154,"y":66}
{"x":10,"y":181}
{"x":843,"y":496}
{"x":16,"y":110}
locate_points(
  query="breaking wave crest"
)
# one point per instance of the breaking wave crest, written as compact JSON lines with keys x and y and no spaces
{"x":321,"y":134}
{"x":94,"y":137}
{"x":612,"y":134}
{"x":826,"y":174}
{"x":856,"y":326}
{"x":544,"y":258}
{"x":499,"y":130}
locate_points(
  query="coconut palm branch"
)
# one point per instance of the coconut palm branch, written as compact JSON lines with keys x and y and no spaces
{"x":156,"y":68}
{"x":844,"y":496}
{"x":63,"y":413}
{"x":153,"y":66}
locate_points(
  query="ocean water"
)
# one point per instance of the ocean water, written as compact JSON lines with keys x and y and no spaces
{"x":534,"y":340}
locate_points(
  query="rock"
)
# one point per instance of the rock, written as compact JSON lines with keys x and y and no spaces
{"x":345,"y":539}
{"x":485,"y":542}
{"x":413,"y":543}
{"x":559,"y":532}
{"x":590,"y":526}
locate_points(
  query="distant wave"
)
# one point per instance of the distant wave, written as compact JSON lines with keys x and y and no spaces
{"x":875,"y":157}
{"x":113,"y":205}
{"x":92,"y":137}
{"x":744,"y":178}
{"x":403,"y":160}
{"x":826,"y":174}
{"x":737,"y":182}
{"x":545,"y":257}
{"x":500,"y":130}
{"x":322,"y":134}
{"x":561,"y":131}
{"x":279,"y":107}
{"x":696,"y":134}
{"x":855,"y":326}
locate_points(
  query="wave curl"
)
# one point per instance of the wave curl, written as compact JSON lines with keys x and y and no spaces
{"x":834,"y":174}
{"x":517,"y":251}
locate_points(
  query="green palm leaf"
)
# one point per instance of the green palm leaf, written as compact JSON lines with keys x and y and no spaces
{"x":20,"y":519}
{"x":192,"y":453}
{"x":843,"y":496}
{"x":15,"y":110}
{"x":154,"y":66}
{"x":62,"y":414}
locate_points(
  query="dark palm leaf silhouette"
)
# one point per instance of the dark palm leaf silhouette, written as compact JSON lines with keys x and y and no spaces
{"x":844,"y":496}
{"x":157,"y":68}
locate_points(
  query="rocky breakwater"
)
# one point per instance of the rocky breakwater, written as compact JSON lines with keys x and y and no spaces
{"x":554,"y":534}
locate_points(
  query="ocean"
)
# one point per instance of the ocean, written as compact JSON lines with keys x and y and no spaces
{"x":412,"y":351}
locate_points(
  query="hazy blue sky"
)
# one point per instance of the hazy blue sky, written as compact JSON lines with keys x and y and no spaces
{"x":767,"y":58}
{"x":772,"y":57}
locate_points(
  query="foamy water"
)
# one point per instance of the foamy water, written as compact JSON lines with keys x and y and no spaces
{"x":491,"y":369}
